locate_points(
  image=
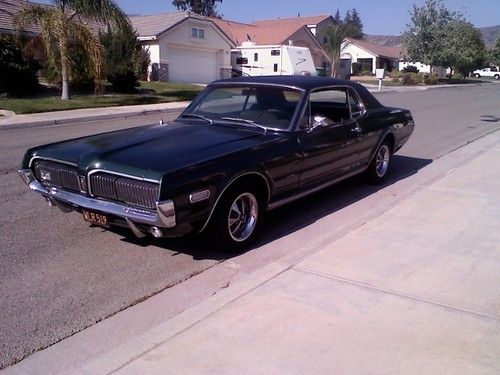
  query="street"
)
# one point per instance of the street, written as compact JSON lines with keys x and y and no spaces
{"x":60,"y":275}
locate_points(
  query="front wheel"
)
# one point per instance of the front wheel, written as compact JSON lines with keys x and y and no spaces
{"x":477,"y":75}
{"x":379,"y":166}
{"x":236,"y":219}
{"x":497,"y":76}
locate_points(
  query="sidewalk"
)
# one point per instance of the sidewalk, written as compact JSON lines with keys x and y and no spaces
{"x":86,"y":114}
{"x":415,"y":289}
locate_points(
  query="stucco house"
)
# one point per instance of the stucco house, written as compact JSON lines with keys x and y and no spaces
{"x":371,"y":56}
{"x":184,"y":47}
{"x":288,"y":31}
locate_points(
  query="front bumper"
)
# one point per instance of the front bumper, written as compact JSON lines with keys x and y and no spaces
{"x":163,"y":216}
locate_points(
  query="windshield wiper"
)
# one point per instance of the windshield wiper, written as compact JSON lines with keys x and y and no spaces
{"x":197,"y":116}
{"x":244,"y":120}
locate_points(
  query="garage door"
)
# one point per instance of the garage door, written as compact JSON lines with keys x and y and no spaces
{"x":193,"y":66}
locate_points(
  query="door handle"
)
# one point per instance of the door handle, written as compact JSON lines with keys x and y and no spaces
{"x":357,"y":130}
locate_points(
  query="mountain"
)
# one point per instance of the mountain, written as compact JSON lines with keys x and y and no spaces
{"x":490,"y":34}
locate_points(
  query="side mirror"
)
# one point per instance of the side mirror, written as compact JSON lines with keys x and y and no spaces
{"x":358,"y":110}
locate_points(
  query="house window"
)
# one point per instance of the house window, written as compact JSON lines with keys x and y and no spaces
{"x":255,"y":57}
{"x":275,"y":52}
{"x":197,"y":33}
{"x":275,"y":67}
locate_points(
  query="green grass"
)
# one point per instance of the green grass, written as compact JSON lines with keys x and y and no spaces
{"x":149,"y":93}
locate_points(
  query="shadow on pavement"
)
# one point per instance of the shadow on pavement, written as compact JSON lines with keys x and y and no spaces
{"x":292,"y":217}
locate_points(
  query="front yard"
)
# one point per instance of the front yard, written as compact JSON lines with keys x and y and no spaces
{"x":149,"y":93}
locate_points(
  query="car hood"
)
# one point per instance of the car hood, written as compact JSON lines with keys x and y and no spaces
{"x":152,"y":151}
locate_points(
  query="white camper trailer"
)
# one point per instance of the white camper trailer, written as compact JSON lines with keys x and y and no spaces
{"x":254,"y":60}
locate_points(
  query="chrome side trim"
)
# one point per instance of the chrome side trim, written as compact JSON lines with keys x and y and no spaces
{"x":160,"y":217}
{"x":315,"y":189}
{"x":51,"y":159}
{"x":227,"y":186}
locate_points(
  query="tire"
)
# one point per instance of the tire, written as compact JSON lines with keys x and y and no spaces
{"x":496,"y":76}
{"x":379,"y":166}
{"x":477,"y":75}
{"x":237,"y":219}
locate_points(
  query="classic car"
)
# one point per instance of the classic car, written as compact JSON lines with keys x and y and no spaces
{"x":242,"y":147}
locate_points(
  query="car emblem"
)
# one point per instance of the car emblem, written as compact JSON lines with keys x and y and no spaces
{"x":45,"y":175}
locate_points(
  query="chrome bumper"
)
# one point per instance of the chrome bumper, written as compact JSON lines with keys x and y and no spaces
{"x":163,"y":216}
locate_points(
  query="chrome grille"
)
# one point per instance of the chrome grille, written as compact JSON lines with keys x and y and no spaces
{"x":57,"y":174}
{"x":124,"y":189}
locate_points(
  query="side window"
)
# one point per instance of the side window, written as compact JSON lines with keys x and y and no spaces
{"x":329,"y":106}
{"x":356,"y":107}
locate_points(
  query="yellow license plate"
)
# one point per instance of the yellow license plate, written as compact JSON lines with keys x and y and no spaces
{"x":95,"y":218}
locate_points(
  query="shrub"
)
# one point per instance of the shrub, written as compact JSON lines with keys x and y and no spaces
{"x":17,"y":76}
{"x":126,"y":61}
{"x":366,"y":73}
{"x":431,"y":79}
{"x":410,"y":69}
{"x":396,"y":75}
{"x":411,"y":79}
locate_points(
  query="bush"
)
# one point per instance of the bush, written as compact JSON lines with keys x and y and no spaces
{"x":395,"y":76}
{"x":410,"y":69}
{"x":431,"y":79}
{"x":126,"y":61}
{"x":411,"y":79}
{"x":356,"y":68}
{"x":366,"y":73}
{"x":18,"y":76}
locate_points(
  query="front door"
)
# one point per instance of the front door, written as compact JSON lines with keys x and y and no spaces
{"x":330,"y":143}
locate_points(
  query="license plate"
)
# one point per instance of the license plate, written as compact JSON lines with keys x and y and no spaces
{"x":95,"y":218}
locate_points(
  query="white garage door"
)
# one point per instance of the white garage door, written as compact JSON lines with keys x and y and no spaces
{"x":193,"y":66}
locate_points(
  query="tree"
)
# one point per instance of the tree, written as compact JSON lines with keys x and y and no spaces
{"x":18,"y":74}
{"x":354,"y":21}
{"x":203,"y":7}
{"x":463,"y":47}
{"x":336,"y":18}
{"x":66,"y":23}
{"x":495,"y":53}
{"x":423,"y":38}
{"x":335,"y":35}
{"x":126,"y":62}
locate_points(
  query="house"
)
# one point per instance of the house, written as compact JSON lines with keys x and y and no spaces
{"x":8,"y":9}
{"x":371,"y":56}
{"x":184,"y":47}
{"x":275,"y":32}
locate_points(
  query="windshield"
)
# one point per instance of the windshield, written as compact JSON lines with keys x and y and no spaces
{"x":246,"y":105}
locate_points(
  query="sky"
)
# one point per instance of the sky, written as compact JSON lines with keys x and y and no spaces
{"x":378,"y":16}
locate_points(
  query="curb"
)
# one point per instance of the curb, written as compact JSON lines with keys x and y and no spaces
{"x":76,"y":120}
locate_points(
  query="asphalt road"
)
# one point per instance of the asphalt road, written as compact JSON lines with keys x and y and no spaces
{"x":59,"y":275}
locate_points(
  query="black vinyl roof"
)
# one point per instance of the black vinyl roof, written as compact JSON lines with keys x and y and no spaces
{"x":307,"y":83}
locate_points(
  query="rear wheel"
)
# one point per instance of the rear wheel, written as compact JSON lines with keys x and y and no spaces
{"x":477,"y":75}
{"x":379,"y":167}
{"x":497,"y":76}
{"x":237,"y":218}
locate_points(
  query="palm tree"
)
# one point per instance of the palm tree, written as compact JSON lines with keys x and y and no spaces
{"x":68,"y":22}
{"x":335,"y":35}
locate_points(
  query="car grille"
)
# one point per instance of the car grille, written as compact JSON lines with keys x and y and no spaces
{"x":57,"y":174}
{"x":128,"y":190}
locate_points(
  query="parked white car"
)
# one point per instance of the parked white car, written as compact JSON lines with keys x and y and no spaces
{"x":486,"y":72}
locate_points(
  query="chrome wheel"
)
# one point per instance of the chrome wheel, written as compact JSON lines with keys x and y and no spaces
{"x":242,"y":217}
{"x":382,"y":160}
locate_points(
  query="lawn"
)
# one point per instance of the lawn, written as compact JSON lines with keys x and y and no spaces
{"x":148,"y":93}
